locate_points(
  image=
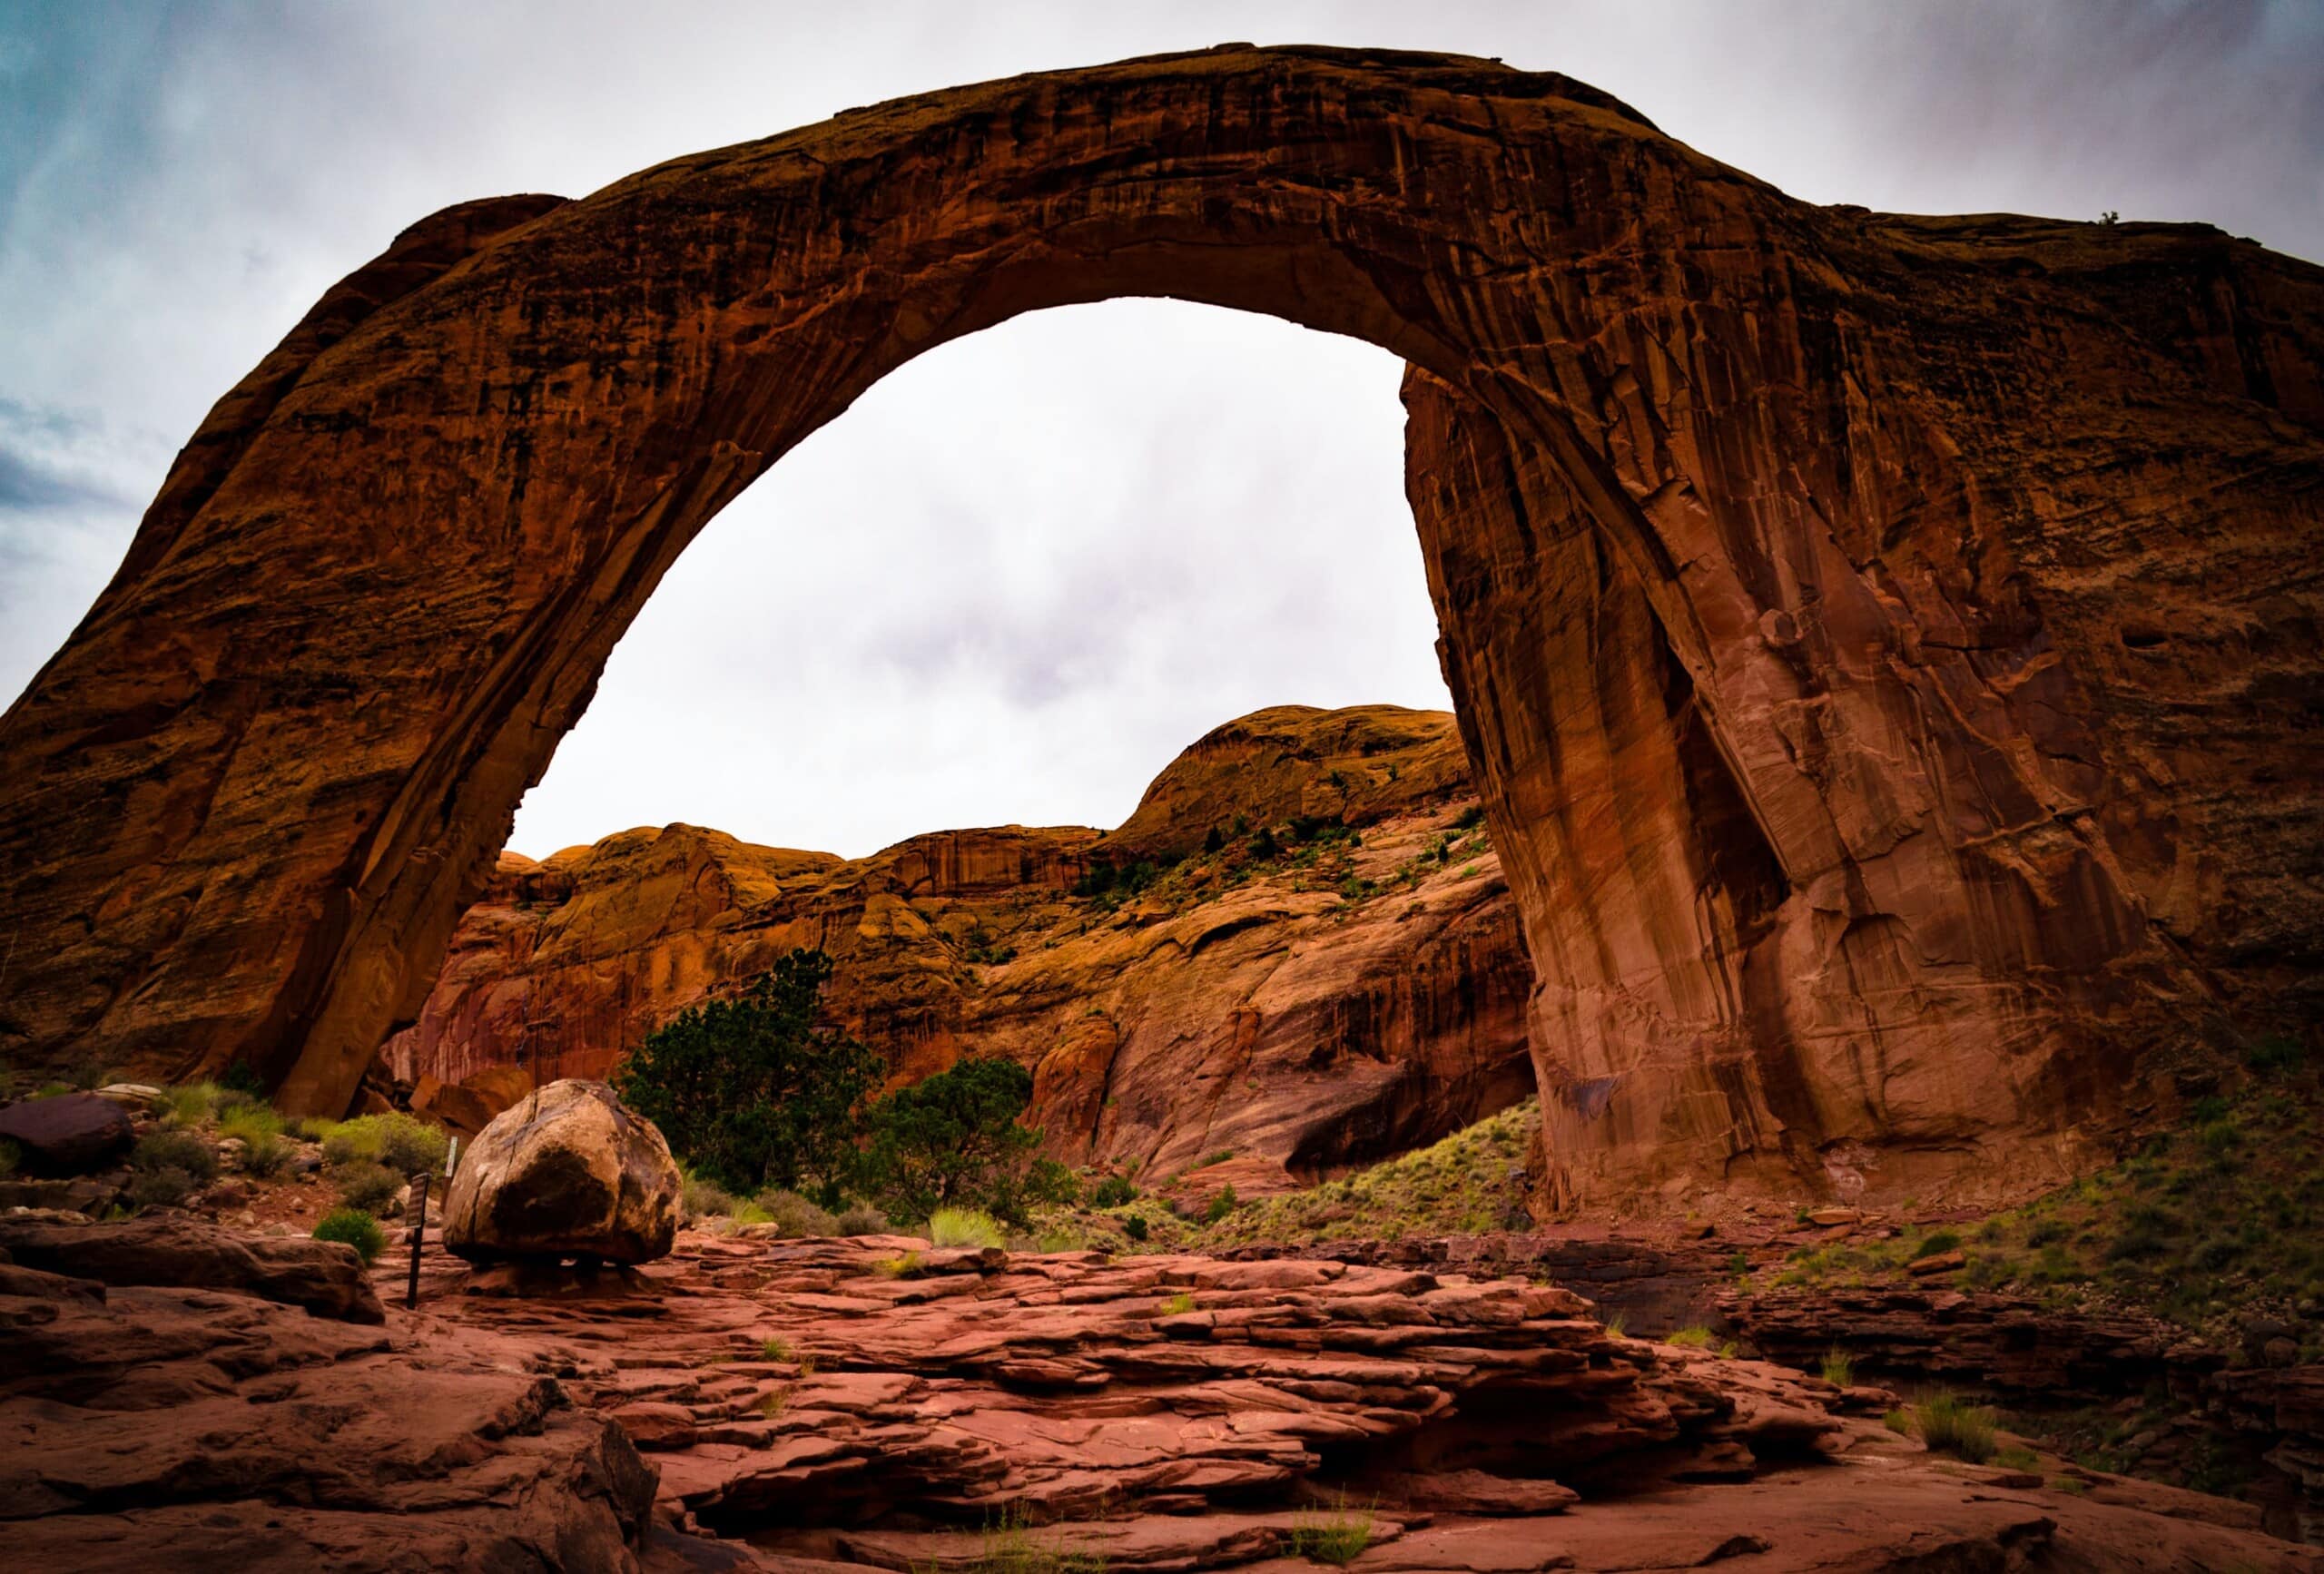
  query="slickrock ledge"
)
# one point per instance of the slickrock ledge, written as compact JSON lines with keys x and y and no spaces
{"x":878,"y":1402}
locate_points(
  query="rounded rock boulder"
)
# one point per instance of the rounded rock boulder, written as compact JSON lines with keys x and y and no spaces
{"x":566,"y":1172}
{"x":67,"y":1134}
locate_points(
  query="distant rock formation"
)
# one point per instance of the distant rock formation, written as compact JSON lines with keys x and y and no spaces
{"x":1334,"y":1004}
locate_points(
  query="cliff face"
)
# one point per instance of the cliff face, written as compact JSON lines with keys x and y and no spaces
{"x":1888,"y":645}
{"x":1325,"y":1006}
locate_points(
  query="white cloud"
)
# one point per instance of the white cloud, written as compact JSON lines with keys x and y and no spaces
{"x":1025,"y":569}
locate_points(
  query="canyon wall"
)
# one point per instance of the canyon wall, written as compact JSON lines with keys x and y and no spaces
{"x":1888,"y":645}
{"x":1324,"y":1005}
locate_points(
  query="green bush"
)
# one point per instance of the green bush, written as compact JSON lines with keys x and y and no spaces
{"x":1113,"y":1192}
{"x":795,"y":1214}
{"x":2277,"y":1055}
{"x":1135,"y":1226}
{"x":260,"y":1131}
{"x":953,"y":1140}
{"x":749,"y":1089}
{"x":353,"y":1227}
{"x":163,"y":1186}
{"x":1949,"y":1425}
{"x":402,"y":1143}
{"x":964,"y":1227}
{"x":1934,"y":1242}
{"x":860,"y":1219}
{"x":703,"y":1198}
{"x":366,"y":1184}
{"x":169,"y":1148}
{"x":1224,"y":1204}
{"x":190,"y":1104}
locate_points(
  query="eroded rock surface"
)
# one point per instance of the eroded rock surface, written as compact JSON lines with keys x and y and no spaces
{"x":566,"y":1172}
{"x":1273,"y":1009}
{"x":68,"y":1134}
{"x":1886,"y":644}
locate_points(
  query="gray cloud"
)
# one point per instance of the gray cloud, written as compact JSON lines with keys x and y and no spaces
{"x":1024,"y":570}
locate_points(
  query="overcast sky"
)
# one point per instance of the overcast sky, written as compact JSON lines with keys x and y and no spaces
{"x":1027,"y":568}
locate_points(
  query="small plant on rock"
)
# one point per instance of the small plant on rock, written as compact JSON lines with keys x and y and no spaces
{"x":774,"y":1349}
{"x":1949,"y":1425}
{"x":1695,"y":1338}
{"x":1177,"y":1305}
{"x":964,"y":1227}
{"x":1840,"y":1367}
{"x":795,"y":1214}
{"x":1337,"y":1535}
{"x":353,"y":1227}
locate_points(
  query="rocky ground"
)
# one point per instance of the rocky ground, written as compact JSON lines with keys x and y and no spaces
{"x":878,"y":1402}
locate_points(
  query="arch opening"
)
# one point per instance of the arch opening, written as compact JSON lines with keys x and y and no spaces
{"x":1725,"y":552}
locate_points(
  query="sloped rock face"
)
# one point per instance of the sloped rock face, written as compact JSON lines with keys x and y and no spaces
{"x":1888,"y":644}
{"x":1266,"y":1008}
{"x":566,"y":1172}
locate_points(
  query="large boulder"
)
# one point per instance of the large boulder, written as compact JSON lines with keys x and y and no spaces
{"x":568,"y":1172}
{"x":70,"y":1133}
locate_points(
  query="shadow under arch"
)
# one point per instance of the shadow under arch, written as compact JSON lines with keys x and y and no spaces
{"x":1681,"y":466}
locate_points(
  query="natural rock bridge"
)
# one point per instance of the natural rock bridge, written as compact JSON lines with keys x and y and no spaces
{"x":1887,"y":645}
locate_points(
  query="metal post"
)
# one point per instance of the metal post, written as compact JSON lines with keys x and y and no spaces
{"x":418,"y":1230}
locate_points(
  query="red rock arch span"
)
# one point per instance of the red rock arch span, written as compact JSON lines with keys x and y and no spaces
{"x":1875,"y":634}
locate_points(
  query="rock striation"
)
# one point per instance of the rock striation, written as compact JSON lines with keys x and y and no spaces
{"x":1322,"y":1009}
{"x":1888,"y":644}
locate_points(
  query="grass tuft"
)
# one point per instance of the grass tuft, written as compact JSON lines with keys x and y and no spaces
{"x":1337,"y":1535}
{"x":965,"y":1227}
{"x":356,"y":1228}
{"x":1949,"y":1425}
{"x":1840,"y":1367}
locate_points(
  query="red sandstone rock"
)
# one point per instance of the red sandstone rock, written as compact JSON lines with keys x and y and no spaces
{"x":68,"y":1134}
{"x":1271,"y":1016}
{"x":567,"y":1172}
{"x":323,"y":1276}
{"x":1878,"y":636}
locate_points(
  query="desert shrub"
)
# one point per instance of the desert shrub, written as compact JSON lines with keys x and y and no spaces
{"x":188,"y":1151}
{"x":795,"y":1214}
{"x":1060,"y":1239}
{"x":1949,"y":1425}
{"x":1135,"y":1226}
{"x":165,"y":1185}
{"x":400,"y":1142}
{"x":953,"y":1140}
{"x":1224,"y":1204}
{"x":190,"y":1104}
{"x":354,"y":1227}
{"x":2276,"y":1056}
{"x":1113,"y":1192}
{"x":749,"y":1089}
{"x":1177,"y":1305}
{"x":366,"y":1184}
{"x":260,"y":1131}
{"x":704,"y":1198}
{"x":1695,"y":1338}
{"x":860,"y":1219}
{"x":963,"y":1227}
{"x":771,"y":1349}
{"x":898,"y":1267}
{"x":1840,"y":1367}
{"x":1935,"y":1242}
{"x":1897,"y":1422}
{"x":1336,"y":1536}
{"x":2018,"y":1459}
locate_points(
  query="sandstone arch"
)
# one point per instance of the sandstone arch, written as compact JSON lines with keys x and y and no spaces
{"x":1888,"y":644}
